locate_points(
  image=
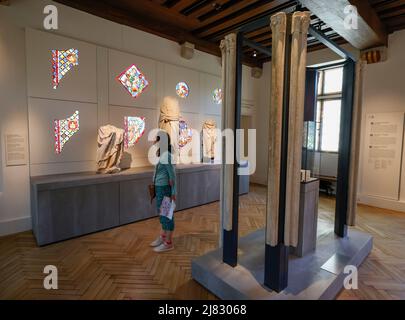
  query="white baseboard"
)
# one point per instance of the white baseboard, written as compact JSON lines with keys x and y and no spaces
{"x":15,"y":226}
{"x":382,"y":203}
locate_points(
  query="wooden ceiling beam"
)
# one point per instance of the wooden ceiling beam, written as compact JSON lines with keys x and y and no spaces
{"x":225,"y":25}
{"x":371,"y":31}
{"x":181,"y":5}
{"x":5,"y":2}
{"x":233,"y":9}
{"x":258,"y":32}
{"x":147,"y":24}
{"x":141,"y":22}
{"x":209,"y":6}
{"x":155,"y":12}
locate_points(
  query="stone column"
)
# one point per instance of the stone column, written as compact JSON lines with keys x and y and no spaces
{"x":228,"y":49}
{"x":355,"y":145}
{"x":278,"y":27}
{"x":299,"y":31}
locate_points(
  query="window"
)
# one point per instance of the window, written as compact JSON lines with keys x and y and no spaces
{"x":328,"y":109}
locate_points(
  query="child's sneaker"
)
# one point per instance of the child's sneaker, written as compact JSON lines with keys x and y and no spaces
{"x":164,"y":247}
{"x":157,"y":242}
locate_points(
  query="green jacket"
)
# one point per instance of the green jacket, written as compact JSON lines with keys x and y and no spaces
{"x":163,"y":174}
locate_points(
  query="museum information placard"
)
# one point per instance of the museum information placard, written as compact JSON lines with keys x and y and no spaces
{"x":16,"y":154}
{"x":383,"y":156}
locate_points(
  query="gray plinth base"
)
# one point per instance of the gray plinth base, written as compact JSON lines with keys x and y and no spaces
{"x":319,"y":275}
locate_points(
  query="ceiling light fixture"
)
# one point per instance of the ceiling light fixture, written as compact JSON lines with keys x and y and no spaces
{"x":217,"y":6}
{"x":254,"y":54}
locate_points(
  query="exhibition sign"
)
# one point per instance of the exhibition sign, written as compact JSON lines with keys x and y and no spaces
{"x":383,"y":154}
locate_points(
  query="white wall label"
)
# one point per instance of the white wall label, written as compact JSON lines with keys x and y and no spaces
{"x":384,"y":140}
{"x":15,"y":146}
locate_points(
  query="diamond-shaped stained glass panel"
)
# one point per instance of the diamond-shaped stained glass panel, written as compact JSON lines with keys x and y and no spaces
{"x":134,"y":81}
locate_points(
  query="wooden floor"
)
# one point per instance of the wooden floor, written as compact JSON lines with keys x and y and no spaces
{"x":118,"y":263}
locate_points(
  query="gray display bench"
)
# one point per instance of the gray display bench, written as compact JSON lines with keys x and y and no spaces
{"x":308,"y":219}
{"x":71,"y":205}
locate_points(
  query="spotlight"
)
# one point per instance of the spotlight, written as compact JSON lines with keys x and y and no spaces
{"x":217,"y":6}
{"x":254,"y":54}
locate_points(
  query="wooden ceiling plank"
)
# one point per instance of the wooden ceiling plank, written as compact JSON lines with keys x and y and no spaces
{"x":229,"y":11}
{"x":141,"y":22}
{"x":258,"y":32}
{"x":159,"y":2}
{"x":208,"y":7}
{"x":181,"y":5}
{"x":243,"y":17}
{"x":392,"y":13}
{"x":387,"y":6}
{"x":154,"y":11}
{"x":261,"y":37}
{"x":371,"y":31}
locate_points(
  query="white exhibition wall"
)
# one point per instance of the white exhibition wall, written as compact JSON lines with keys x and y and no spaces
{"x":105,"y":50}
{"x":78,"y":85}
{"x":384,"y":93}
{"x":78,"y":91}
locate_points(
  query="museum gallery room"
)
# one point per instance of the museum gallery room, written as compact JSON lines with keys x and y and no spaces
{"x":202,"y":150}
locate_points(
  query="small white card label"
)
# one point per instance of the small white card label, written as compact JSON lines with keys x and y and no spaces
{"x":15,"y":146}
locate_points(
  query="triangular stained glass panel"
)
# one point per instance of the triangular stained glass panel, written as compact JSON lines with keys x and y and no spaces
{"x":62,"y":62}
{"x":64,"y":130}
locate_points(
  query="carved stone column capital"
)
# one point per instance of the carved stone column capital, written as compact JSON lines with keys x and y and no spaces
{"x":300,"y":22}
{"x":278,"y":20}
{"x":229,"y":43}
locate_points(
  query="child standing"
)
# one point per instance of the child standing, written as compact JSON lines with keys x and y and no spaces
{"x":165,"y":186}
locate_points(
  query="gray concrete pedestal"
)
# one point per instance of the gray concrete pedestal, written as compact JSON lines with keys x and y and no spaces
{"x":318,"y":275}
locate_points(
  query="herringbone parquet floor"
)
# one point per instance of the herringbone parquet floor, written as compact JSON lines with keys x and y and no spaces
{"x":118,"y":263}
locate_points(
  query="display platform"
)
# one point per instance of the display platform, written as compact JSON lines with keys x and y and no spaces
{"x":70,"y":205}
{"x":319,"y":275}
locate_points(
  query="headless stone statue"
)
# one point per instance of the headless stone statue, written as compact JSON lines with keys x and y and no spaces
{"x":110,"y":149}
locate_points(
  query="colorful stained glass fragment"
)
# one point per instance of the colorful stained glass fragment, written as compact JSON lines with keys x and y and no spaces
{"x":134,"y":128}
{"x":133,"y":80}
{"x":182,"y":90}
{"x":64,"y":130}
{"x":185,"y":133}
{"x":62,"y":62}
{"x":217,"y":96}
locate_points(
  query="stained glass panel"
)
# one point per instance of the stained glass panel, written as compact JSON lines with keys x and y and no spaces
{"x":185,"y":133}
{"x":134,"y":129}
{"x":217,"y":96}
{"x":64,"y":130}
{"x":62,"y":62}
{"x":133,"y":81}
{"x":182,"y":90}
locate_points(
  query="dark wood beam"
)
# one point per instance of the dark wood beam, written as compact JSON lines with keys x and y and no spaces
{"x":156,"y":12}
{"x":209,"y":7}
{"x":5,"y":2}
{"x":371,"y":32}
{"x":148,"y":24}
{"x":257,"y":47}
{"x":226,"y":24}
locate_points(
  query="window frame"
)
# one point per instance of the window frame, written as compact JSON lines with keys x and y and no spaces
{"x":321,"y":98}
